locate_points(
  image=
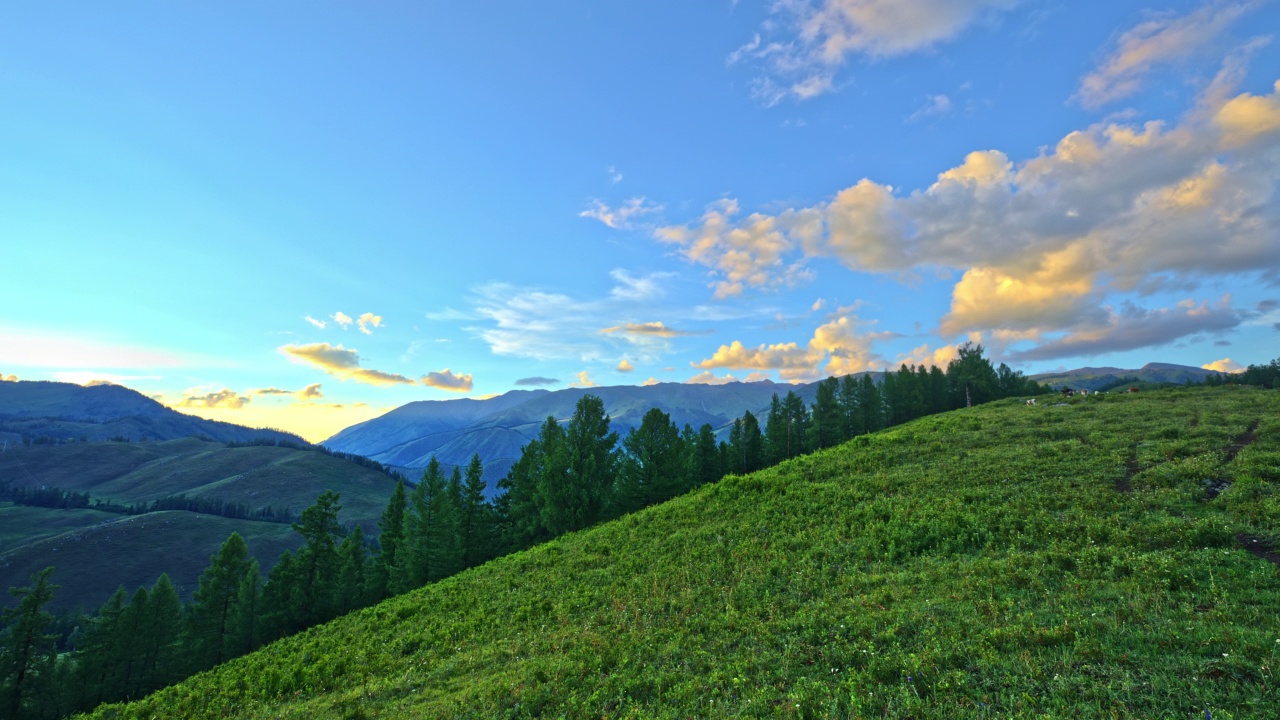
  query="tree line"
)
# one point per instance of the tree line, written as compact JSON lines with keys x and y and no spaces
{"x":60,"y":499}
{"x":571,"y":476}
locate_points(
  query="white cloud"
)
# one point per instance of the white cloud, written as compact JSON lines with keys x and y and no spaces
{"x":625,"y":366}
{"x":1043,"y":244}
{"x":934,"y":105}
{"x":447,"y":380}
{"x":801,"y":48}
{"x":624,"y":216}
{"x":1164,"y":38}
{"x":318,"y":323}
{"x":835,"y":349}
{"x":342,"y":319}
{"x":614,"y":176}
{"x":706,"y":377}
{"x":368,"y":320}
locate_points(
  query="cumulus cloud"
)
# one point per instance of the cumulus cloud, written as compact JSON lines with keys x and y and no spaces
{"x":625,"y":366}
{"x":196,"y":398}
{"x":706,"y":377}
{"x":318,"y":323}
{"x":651,"y":381}
{"x":756,"y":377}
{"x":341,"y":363}
{"x":744,"y":253}
{"x":446,"y":380}
{"x":1163,"y":39}
{"x":835,"y":349}
{"x":1044,"y":243}
{"x":801,"y":48}
{"x":342,"y":319}
{"x":1225,"y":365}
{"x":368,"y":320}
{"x":536,"y":381}
{"x":624,"y":216}
{"x":583,"y":381}
{"x":8,"y":378}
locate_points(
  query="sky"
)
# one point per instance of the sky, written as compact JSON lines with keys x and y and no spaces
{"x":303,"y":214}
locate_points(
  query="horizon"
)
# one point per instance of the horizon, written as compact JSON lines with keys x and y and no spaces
{"x":302,"y":217}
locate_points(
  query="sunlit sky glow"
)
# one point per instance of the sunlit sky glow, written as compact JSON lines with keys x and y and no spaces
{"x":300,"y":215}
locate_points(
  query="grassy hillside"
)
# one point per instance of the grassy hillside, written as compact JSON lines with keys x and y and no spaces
{"x":1091,"y":559}
{"x":92,"y":560}
{"x":90,"y":566}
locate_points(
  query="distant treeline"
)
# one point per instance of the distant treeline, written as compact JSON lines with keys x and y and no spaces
{"x":59,"y":499}
{"x":360,"y":460}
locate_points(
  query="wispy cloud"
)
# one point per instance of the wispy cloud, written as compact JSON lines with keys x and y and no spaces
{"x":318,"y":323}
{"x":614,"y":175}
{"x":536,"y":381}
{"x":342,"y":319}
{"x":341,"y":363}
{"x":306,"y":394}
{"x":447,"y":380}
{"x":934,"y":105}
{"x":624,"y":216}
{"x":654,"y":329}
{"x":800,"y":49}
{"x":1165,"y":38}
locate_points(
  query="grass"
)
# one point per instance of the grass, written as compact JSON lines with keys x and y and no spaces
{"x":1003,"y":561}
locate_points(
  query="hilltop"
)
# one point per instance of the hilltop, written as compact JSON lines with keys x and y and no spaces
{"x":38,"y":410}
{"x":1095,"y":557}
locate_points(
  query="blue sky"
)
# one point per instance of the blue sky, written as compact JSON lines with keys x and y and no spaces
{"x":305,"y":214}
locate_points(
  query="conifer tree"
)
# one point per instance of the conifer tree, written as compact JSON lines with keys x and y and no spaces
{"x":652,"y":468}
{"x":706,"y":457}
{"x":431,"y":529}
{"x":30,"y":652}
{"x":390,"y":545}
{"x":248,"y":615}
{"x":870,"y":404}
{"x":211,"y":620}
{"x":798,"y":420}
{"x":851,"y":414}
{"x":752,"y":443}
{"x":351,"y":573}
{"x":164,"y":608}
{"x":827,"y":420}
{"x":318,"y":558}
{"x":577,"y":479}
{"x":775,"y":433}
{"x":476,"y":525}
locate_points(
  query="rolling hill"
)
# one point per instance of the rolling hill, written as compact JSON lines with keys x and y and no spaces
{"x":1091,"y":378}
{"x":1102,"y":557}
{"x":96,"y":551}
{"x":66,"y":411}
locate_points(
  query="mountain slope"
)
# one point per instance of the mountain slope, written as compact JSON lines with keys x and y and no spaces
{"x":65,"y":411}
{"x":256,"y":477}
{"x":1063,"y":560}
{"x":1090,"y":378}
{"x":497,"y":428}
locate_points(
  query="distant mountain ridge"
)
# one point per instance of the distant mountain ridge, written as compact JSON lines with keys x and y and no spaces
{"x":66,"y":411}
{"x":497,"y":428}
{"x":1091,"y":378}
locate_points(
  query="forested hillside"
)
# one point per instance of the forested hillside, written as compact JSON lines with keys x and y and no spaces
{"x":1099,"y":556}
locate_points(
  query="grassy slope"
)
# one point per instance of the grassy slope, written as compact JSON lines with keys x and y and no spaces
{"x":983,"y":563}
{"x":179,"y":544}
{"x":93,"y":560}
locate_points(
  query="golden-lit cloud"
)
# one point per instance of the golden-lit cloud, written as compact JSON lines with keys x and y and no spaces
{"x":834,"y":349}
{"x":583,"y":381}
{"x":650,"y":381}
{"x":1161,"y":40}
{"x":368,"y":320}
{"x":341,"y":363}
{"x":1225,"y":365}
{"x":757,"y":377}
{"x":227,"y":399}
{"x":306,"y":394}
{"x":1246,"y":118}
{"x":655,"y":329}
{"x":625,"y":366}
{"x":446,"y":380}
{"x":8,"y":378}
{"x":706,"y":377}
{"x":342,"y":319}
{"x":310,"y":392}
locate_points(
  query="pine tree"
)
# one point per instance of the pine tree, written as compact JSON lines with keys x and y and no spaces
{"x":870,"y":404}
{"x":476,"y":525}
{"x":390,"y":542}
{"x":247,"y":632}
{"x":798,"y":421}
{"x":827,"y":420}
{"x":752,"y":443}
{"x":850,"y":412}
{"x":30,"y":652}
{"x":211,"y":620}
{"x":578,"y":477}
{"x":652,"y":468}
{"x":351,"y":572}
{"x":775,"y":433}
{"x":318,"y":557}
{"x":162,"y":664}
{"x":431,"y":529}
{"x":706,"y":457}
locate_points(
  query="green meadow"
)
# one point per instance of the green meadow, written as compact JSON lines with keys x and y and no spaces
{"x":1098,"y":557}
